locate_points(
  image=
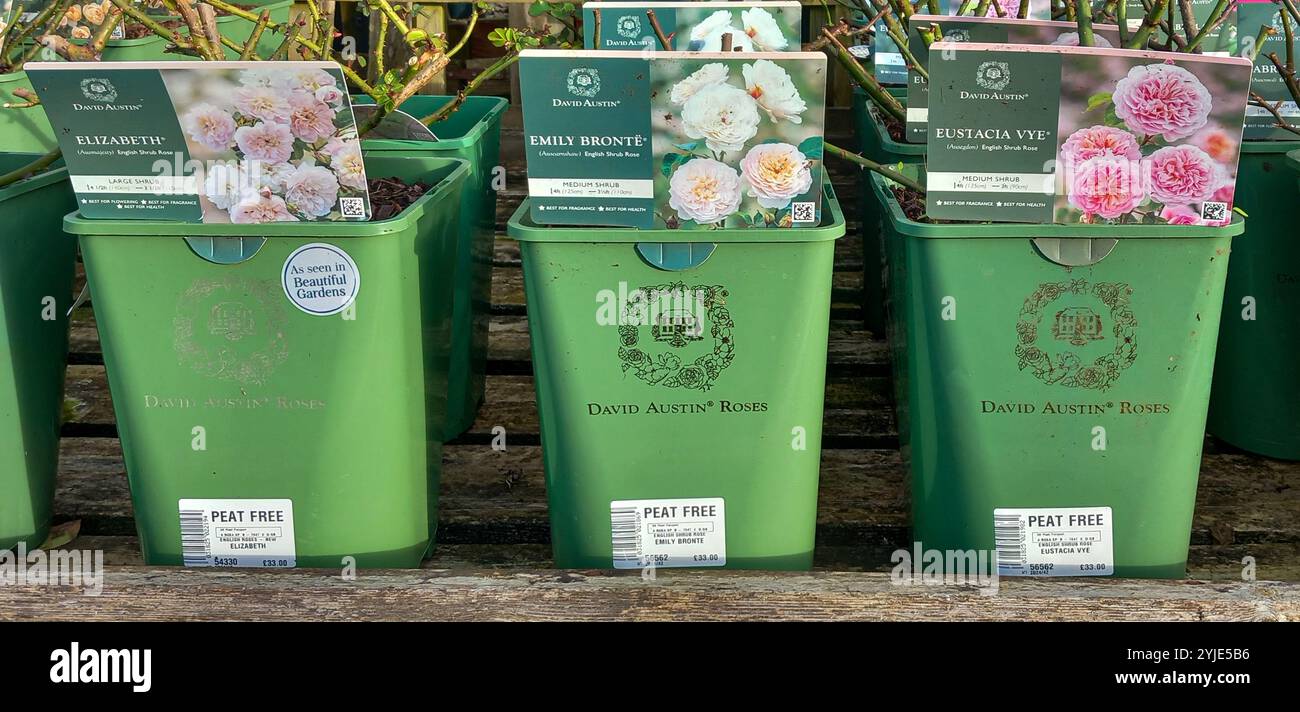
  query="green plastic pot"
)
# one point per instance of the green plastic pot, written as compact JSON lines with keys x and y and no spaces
{"x":473,"y":134}
{"x":727,"y":389}
{"x":22,"y":130}
{"x":1255,"y":403}
{"x":875,"y":143}
{"x":223,"y":389}
{"x":1122,"y":348}
{"x":37,"y":262}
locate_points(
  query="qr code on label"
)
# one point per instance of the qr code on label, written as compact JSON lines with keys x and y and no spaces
{"x":803,"y":212}
{"x":1214,"y":212}
{"x":352,"y":207}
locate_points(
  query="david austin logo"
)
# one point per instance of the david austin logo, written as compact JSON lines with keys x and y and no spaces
{"x":994,"y":76}
{"x":584,"y":81}
{"x":629,"y":26}
{"x":1095,"y":320}
{"x":956,"y":36}
{"x":98,"y":89}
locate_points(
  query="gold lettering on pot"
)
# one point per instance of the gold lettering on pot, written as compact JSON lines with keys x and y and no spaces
{"x":1076,"y":334}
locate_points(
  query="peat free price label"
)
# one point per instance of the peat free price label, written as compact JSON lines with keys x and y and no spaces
{"x":678,"y":140}
{"x":213,"y":142}
{"x":1051,"y":134}
{"x":695,"y":26}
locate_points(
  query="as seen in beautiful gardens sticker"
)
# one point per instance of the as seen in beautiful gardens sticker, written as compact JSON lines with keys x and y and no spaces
{"x":1041,"y":134}
{"x":214,"y":142}
{"x":321,"y":279}
{"x":694,"y":26}
{"x":677,"y":139}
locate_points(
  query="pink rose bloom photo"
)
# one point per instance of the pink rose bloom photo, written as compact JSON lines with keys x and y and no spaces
{"x":313,"y":190}
{"x":261,"y":208}
{"x":704,"y":190}
{"x":1180,"y":215}
{"x":1095,"y":141}
{"x":210,"y":126}
{"x":1225,"y":193}
{"x":311,"y":119}
{"x":1107,"y":187}
{"x":349,"y":166}
{"x":1182,"y":174}
{"x":1162,"y":99}
{"x":262,"y":103}
{"x":331,"y":95}
{"x":1221,"y":145}
{"x":272,"y":143}
{"x":776,"y":173}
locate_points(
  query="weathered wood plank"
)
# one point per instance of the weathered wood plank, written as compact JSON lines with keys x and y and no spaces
{"x":158,"y":594}
{"x":1207,"y":562}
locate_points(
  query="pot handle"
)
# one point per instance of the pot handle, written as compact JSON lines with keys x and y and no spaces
{"x":675,"y":256}
{"x":1074,"y":251}
{"x":226,"y":250}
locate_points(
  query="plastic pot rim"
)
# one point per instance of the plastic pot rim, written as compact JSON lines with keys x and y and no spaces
{"x":1249,"y":146}
{"x":74,"y":224}
{"x":911,"y":228}
{"x":521,"y":227}
{"x":36,"y":182}
{"x":886,"y":141}
{"x":442,"y":144}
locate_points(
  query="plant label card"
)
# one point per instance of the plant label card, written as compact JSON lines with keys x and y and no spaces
{"x":1043,"y":134}
{"x":1254,"y":16}
{"x":681,"y":140}
{"x":1218,"y":42}
{"x":980,"y":29}
{"x":213,"y":142}
{"x":694,"y":26}
{"x":890,"y":64}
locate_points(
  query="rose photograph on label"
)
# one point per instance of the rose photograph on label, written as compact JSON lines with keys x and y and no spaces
{"x":1084,"y":135}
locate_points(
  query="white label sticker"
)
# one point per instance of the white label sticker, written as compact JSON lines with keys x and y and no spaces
{"x":1073,"y":541}
{"x":668,"y":532}
{"x":255,"y":533}
{"x":321,"y":279}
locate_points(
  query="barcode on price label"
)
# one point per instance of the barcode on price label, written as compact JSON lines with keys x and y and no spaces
{"x":1071,"y":541}
{"x":253,"y":533}
{"x":668,"y":532}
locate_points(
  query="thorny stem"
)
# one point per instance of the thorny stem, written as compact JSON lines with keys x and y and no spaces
{"x":248,"y":51}
{"x":138,"y":15}
{"x":1149,"y":24}
{"x":1287,"y":75}
{"x":34,"y":167}
{"x":473,"y":20}
{"x":1023,"y":12}
{"x":450,"y":107}
{"x":595,"y":28}
{"x":871,"y":165}
{"x":385,"y":7}
{"x":1189,"y":19}
{"x":1216,"y":18}
{"x":197,"y":37}
{"x":1258,"y":100}
{"x":864,"y":80}
{"x":659,"y":31}
{"x":1085,"y":23}
{"x":41,"y":20}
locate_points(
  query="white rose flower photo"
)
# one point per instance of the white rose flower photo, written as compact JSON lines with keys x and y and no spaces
{"x":279,"y":145}
{"x":738,"y":142}
{"x":762,"y":29}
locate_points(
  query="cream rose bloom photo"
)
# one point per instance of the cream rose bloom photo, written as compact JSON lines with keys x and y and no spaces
{"x":776,"y":174}
{"x":708,"y":75}
{"x":771,"y":87}
{"x":704,"y":190}
{"x":724,"y":116}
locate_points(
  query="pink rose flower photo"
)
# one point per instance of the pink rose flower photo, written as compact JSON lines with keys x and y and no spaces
{"x":1106,"y":187}
{"x":1162,"y":100}
{"x":1182,"y":174}
{"x":283,"y":142}
{"x":1180,"y":215}
{"x":1097,"y":141}
{"x":704,"y":190}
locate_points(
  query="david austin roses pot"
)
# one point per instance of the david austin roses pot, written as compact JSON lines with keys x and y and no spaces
{"x":687,"y":399}
{"x":1055,"y":371}
{"x":37,"y":262}
{"x":472,"y":134}
{"x":1256,"y":382}
{"x":228,"y":387}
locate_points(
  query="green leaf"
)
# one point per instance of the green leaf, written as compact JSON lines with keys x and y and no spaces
{"x":811,"y":147}
{"x":687,"y":147}
{"x":670,"y":161}
{"x":1097,"y":100}
{"x":539,"y":8}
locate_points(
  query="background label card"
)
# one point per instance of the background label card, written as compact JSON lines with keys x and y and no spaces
{"x":695,"y":26}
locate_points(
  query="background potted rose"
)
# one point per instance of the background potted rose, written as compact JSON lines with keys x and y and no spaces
{"x":37,"y":261}
{"x":1256,"y":384}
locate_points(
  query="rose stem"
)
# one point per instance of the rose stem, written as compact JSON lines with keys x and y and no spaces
{"x":871,"y":165}
{"x":659,"y":31}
